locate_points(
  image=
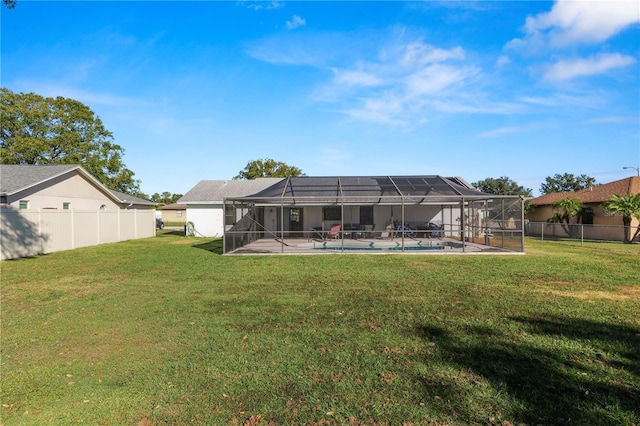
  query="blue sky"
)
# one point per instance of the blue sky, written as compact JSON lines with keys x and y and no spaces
{"x":477,"y":89}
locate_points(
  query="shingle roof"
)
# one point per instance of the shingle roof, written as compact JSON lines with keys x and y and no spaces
{"x":215,"y":191}
{"x":597,"y":194}
{"x":126,"y":198}
{"x":173,"y":206}
{"x":15,"y":178}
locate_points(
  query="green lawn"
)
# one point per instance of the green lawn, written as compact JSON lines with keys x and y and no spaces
{"x":167,"y":331}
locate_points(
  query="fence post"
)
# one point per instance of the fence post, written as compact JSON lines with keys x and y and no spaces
{"x":542,"y":231}
{"x":581,"y":235}
{"x":73,"y":229}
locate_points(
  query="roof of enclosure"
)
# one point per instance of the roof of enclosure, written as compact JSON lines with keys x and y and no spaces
{"x":366,"y":189}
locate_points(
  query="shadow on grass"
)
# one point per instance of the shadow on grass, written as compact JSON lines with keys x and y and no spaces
{"x":173,"y":232}
{"x":584,"y":372}
{"x":214,"y":246}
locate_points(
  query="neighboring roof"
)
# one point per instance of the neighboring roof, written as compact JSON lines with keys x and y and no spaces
{"x":17,"y":177}
{"x":460,"y":181}
{"x":130,"y":199}
{"x":595,"y":195}
{"x":215,"y":191}
{"x":376,"y":189}
{"x":173,"y":206}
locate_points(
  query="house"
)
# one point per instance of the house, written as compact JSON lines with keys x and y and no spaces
{"x":174,"y":214}
{"x":48,"y":208}
{"x":592,"y":210}
{"x":60,"y":187}
{"x":205,"y":202}
{"x":364,"y":208}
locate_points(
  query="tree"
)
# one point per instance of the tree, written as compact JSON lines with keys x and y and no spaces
{"x":267,"y":168}
{"x":627,"y":206}
{"x":502,"y":186}
{"x":39,"y":130}
{"x":165,"y":198}
{"x":566,"y":209}
{"x":567,"y":183}
{"x":9,"y":3}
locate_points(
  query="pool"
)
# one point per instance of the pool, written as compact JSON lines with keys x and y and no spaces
{"x":381,"y":245}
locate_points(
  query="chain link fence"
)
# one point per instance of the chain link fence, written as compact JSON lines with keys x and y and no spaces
{"x":580,"y":232}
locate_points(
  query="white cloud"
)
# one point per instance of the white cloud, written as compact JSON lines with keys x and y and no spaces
{"x":296,"y":22}
{"x":418,"y":53}
{"x":356,"y":78}
{"x":384,"y":109}
{"x":570,"y":68}
{"x":500,"y":132}
{"x":322,"y":50}
{"x":577,"y":22}
{"x":67,"y":90}
{"x":614,"y":119}
{"x":591,"y":99}
{"x":436,"y":78}
{"x":261,"y":5}
{"x":399,"y":81}
{"x":502,"y":61}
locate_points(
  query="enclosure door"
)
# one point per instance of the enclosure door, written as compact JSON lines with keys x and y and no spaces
{"x":295,"y":222}
{"x":259,"y":212}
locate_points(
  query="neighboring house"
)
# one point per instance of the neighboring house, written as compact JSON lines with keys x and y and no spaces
{"x":593,"y":213}
{"x":205,"y":202}
{"x":49,"y":208}
{"x":60,"y":187}
{"x":174,"y":213}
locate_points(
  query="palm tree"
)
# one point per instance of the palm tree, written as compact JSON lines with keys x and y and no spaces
{"x":565,"y":210}
{"x":627,"y":206}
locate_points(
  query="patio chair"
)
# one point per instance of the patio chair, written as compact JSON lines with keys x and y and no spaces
{"x":387,"y":233}
{"x":404,"y":230}
{"x":334,"y":232}
{"x":367,"y":231}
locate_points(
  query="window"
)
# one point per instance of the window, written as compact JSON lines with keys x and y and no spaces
{"x":65,"y":206}
{"x":24,"y":204}
{"x":179,"y":213}
{"x":586,"y":214}
{"x":295,"y":215}
{"x":331,"y":213}
{"x":366,"y":215}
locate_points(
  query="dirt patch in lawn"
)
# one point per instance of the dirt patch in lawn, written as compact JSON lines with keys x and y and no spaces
{"x":623,"y":293}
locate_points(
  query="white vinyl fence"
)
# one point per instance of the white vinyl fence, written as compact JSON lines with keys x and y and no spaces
{"x":28,"y":233}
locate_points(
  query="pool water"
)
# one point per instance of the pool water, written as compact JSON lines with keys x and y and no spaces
{"x":382,"y":245}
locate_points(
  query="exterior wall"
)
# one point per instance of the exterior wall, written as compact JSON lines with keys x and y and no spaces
{"x":272,"y":218}
{"x":26,"y":233}
{"x":382,"y":216}
{"x":604,"y":227}
{"x":543,"y":213}
{"x":540,"y":214}
{"x":208,"y":220}
{"x":73,"y":189}
{"x":174,"y":216}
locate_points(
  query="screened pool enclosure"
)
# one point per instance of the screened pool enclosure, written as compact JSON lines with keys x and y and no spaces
{"x":373,"y":214}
